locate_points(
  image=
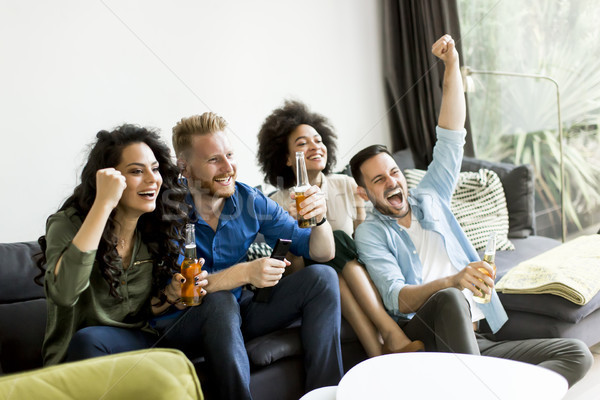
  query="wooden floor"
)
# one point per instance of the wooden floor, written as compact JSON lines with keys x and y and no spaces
{"x":589,"y":387}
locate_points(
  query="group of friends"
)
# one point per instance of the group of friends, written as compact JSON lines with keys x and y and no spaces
{"x":403,"y":274}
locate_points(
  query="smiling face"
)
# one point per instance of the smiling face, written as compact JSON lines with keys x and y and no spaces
{"x":139,"y":167}
{"x":210,"y":167}
{"x":306,"y":139}
{"x":385,"y":186}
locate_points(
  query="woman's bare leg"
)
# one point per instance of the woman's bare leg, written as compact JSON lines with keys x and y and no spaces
{"x":362,"y":325}
{"x":362,"y":287}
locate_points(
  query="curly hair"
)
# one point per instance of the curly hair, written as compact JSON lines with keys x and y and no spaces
{"x":272,"y":151}
{"x":160,"y":230}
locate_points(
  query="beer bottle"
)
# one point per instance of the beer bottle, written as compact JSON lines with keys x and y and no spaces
{"x":190,"y":267}
{"x":302,"y":185}
{"x":489,"y":257}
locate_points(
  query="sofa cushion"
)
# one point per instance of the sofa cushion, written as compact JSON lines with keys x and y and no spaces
{"x":274,"y":346}
{"x":550,"y":305}
{"x":523,"y":325}
{"x":17,"y":270}
{"x":479,"y":205}
{"x":286,"y":342}
{"x":519,"y":188}
{"x":22,"y":327}
{"x":22,"y":308}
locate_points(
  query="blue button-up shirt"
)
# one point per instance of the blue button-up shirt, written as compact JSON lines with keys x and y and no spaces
{"x":387,"y":250}
{"x":244,"y":215}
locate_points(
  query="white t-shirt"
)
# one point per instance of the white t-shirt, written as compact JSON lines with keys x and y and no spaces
{"x":435,"y":261}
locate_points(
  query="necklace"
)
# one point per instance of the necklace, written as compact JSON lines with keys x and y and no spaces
{"x":121,"y":244}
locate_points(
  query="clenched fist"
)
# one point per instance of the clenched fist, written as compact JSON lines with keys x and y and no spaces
{"x":445,"y":50}
{"x":110,"y":185}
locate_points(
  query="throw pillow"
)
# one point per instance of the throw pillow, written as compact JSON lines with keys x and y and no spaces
{"x":518,"y":182}
{"x":259,"y":250}
{"x":479,"y":205}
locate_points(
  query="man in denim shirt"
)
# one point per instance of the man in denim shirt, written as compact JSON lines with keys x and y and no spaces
{"x":420,"y":259}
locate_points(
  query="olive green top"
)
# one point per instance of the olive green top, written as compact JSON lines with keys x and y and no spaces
{"x":79,"y":296}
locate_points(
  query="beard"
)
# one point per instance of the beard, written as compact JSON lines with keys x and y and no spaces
{"x":390,"y":211}
{"x":387,"y":209}
{"x":212,"y":188}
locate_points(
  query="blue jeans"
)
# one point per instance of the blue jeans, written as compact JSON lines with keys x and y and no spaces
{"x":218,"y":328}
{"x":313,"y":295}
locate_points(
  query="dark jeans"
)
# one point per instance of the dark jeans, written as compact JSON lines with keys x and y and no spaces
{"x":218,"y":328}
{"x":443,"y":323}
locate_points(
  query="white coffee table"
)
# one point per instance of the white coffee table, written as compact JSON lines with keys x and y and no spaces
{"x":449,"y":376}
{"x":324,"y":393}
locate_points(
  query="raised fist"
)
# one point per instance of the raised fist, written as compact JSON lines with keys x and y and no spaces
{"x":110,"y":185}
{"x":444,"y":49}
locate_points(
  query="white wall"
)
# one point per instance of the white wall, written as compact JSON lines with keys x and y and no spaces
{"x":70,"y":68}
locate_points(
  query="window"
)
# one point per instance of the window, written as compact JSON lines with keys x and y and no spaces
{"x":514,"y":119}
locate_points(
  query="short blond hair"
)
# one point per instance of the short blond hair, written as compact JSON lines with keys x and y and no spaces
{"x":184,"y":130}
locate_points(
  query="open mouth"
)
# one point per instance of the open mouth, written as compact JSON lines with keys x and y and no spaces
{"x":149,"y":194}
{"x":316,"y":157}
{"x":225,"y":181}
{"x":395,"y":197}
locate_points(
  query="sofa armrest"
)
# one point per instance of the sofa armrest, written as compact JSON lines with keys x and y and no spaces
{"x":518,"y":182}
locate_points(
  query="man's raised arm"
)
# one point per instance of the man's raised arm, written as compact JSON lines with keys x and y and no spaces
{"x":453,"y":110}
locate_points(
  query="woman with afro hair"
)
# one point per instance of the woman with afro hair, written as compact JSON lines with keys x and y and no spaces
{"x":294,"y":128}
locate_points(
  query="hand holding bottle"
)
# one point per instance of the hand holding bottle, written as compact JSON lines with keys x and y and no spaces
{"x":310,"y":202}
{"x":476,"y":277}
{"x":489,"y":258}
{"x":311,"y":206}
{"x":191,"y":267}
{"x":174,"y":291}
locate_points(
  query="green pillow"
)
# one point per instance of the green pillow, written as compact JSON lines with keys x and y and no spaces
{"x":144,"y":374}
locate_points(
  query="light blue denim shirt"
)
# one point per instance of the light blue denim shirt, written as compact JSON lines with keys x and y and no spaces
{"x":387,"y":250}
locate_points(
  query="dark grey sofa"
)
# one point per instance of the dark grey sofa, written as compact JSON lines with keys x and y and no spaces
{"x":277,"y":370}
{"x":530,"y":316}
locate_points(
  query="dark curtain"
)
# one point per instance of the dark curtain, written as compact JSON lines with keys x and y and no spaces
{"x":413,"y":75}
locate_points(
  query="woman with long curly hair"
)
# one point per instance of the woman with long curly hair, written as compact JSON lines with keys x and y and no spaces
{"x":294,"y":128}
{"x":111,"y":252}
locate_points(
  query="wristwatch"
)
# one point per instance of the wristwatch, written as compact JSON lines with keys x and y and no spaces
{"x":321,"y":222}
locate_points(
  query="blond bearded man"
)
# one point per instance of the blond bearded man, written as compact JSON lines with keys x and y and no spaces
{"x":228,"y":216}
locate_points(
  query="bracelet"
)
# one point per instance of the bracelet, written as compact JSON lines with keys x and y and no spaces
{"x":321,"y":222}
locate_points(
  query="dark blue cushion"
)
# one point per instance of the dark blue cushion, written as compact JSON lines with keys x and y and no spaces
{"x":17,"y":270}
{"x":519,"y":188}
